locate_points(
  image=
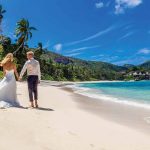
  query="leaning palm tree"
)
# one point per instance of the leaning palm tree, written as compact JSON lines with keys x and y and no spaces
{"x":23,"y":32}
{"x":2,"y":11}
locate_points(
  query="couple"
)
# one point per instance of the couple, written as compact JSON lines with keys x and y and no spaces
{"x":8,"y":96}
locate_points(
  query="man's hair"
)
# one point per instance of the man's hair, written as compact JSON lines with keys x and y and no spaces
{"x":30,"y":53}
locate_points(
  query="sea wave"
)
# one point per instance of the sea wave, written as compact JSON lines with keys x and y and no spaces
{"x":97,"y":94}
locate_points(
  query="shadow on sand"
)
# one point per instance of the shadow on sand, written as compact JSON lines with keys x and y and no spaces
{"x":39,"y":108}
{"x":44,"y":109}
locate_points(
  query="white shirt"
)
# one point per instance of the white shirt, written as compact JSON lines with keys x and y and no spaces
{"x":33,"y":68}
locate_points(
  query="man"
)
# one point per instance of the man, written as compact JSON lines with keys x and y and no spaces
{"x":34,"y":76}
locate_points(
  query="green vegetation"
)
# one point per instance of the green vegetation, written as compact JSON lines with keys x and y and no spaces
{"x":1,"y":75}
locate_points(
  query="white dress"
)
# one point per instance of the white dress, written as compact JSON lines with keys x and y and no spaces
{"x":8,"y":96}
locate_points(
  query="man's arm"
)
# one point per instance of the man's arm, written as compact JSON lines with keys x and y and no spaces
{"x":23,"y":70}
{"x":39,"y":72}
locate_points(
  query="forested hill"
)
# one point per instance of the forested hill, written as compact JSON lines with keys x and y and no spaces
{"x":79,"y":62}
{"x":145,"y":65}
{"x":66,"y":68}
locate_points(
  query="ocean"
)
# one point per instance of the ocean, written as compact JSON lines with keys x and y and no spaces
{"x":136,"y":93}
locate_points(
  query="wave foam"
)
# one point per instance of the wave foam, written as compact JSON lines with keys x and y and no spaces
{"x":99,"y":95}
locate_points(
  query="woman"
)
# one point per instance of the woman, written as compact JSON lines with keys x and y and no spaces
{"x":8,"y":96}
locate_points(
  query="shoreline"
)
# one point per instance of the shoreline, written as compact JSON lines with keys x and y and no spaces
{"x":85,"y":91}
{"x":131,"y":116}
{"x":74,"y":82}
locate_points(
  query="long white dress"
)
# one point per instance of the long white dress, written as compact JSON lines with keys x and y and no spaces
{"x":8,"y":95}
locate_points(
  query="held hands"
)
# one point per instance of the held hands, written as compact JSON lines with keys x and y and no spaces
{"x":20,"y":79}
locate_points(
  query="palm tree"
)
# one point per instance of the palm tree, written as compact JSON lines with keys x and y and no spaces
{"x":5,"y":40}
{"x":39,"y":51}
{"x":23,"y":32}
{"x":2,"y":11}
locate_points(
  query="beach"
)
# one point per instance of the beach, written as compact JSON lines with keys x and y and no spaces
{"x":69,"y":121}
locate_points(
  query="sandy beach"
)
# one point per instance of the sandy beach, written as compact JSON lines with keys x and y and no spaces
{"x":68,"y":121}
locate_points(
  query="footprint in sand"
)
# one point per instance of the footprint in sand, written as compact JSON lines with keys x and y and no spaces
{"x":102,"y":149}
{"x":147,"y":119}
{"x":71,"y":133}
{"x":92,"y":145}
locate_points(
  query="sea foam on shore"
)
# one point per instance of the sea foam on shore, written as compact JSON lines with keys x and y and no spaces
{"x":111,"y":92}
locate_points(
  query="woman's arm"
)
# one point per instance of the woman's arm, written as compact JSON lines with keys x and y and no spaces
{"x":16,"y":72}
{"x":23,"y":70}
{"x":4,"y":71}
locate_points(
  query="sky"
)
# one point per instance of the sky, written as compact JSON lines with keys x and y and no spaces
{"x":114,"y":31}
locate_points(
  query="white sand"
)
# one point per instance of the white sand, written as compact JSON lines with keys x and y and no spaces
{"x":66,"y":128}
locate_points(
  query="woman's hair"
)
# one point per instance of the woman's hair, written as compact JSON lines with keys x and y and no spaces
{"x":8,"y":58}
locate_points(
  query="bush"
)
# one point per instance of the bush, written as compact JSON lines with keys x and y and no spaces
{"x":47,"y":77}
{"x":1,"y":74}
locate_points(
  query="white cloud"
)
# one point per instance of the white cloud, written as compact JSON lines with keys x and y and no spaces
{"x":121,"y":5}
{"x":119,"y":9}
{"x":58,"y":47}
{"x":105,"y":58}
{"x":122,"y":62}
{"x":131,"y":60}
{"x":110,"y":58}
{"x":126,"y":35}
{"x":144,"y":51}
{"x":108,"y":3}
{"x":128,"y":27}
{"x":103,"y":32}
{"x":82,"y":48}
{"x":102,"y":4}
{"x":73,"y":54}
{"x":97,"y":56}
{"x":99,"y":5}
{"x":47,"y":44}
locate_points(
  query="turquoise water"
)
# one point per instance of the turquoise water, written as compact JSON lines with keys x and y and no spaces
{"x":129,"y":92}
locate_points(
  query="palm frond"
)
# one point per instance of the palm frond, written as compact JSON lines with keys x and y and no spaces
{"x":32,"y":28}
{"x":24,"y":31}
{"x":1,"y":8}
{"x":30,"y":34}
{"x":3,"y":11}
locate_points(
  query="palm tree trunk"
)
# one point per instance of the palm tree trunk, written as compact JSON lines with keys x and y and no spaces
{"x":21,"y":45}
{"x":1,"y":25}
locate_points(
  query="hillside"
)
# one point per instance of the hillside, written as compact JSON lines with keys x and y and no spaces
{"x":128,"y":66}
{"x":79,"y":62}
{"x":145,"y":65}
